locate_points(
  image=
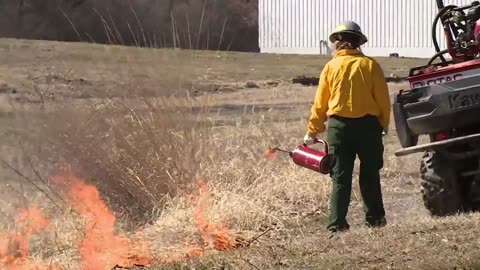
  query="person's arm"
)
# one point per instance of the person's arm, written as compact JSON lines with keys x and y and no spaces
{"x":381,"y":95}
{"x":318,"y":117}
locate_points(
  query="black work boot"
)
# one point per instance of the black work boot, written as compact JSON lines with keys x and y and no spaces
{"x":336,"y":230}
{"x":377,"y":223}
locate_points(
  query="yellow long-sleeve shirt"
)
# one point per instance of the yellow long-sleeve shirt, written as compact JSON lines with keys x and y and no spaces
{"x":351,"y":85}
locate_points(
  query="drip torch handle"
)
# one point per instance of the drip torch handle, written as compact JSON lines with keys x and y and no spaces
{"x":325,"y":145}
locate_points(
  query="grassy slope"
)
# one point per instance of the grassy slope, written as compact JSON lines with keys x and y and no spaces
{"x":412,"y":240}
{"x":156,"y":71}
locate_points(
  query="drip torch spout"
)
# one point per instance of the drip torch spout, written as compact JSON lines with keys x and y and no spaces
{"x":276,"y":149}
{"x":279,"y":150}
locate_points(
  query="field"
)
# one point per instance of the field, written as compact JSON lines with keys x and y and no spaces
{"x":174,"y":141}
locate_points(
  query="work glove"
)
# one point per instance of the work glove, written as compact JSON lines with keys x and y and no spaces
{"x":309,"y":139}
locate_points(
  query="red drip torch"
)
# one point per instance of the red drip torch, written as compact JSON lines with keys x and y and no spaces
{"x":307,"y":157}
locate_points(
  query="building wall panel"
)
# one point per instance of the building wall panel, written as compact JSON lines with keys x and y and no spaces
{"x":392,"y":26}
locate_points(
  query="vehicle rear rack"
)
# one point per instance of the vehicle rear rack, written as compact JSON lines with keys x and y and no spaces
{"x":418,"y":70}
{"x":433,"y":145}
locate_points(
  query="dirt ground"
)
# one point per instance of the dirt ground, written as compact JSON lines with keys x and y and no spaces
{"x":245,"y":92}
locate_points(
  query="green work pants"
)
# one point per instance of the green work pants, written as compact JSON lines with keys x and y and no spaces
{"x":348,"y":138}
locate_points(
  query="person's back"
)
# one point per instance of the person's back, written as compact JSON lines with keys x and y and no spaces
{"x":353,"y":96}
{"x":356,"y":86}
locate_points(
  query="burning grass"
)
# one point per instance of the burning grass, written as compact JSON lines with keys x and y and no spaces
{"x":98,"y":241}
{"x":15,"y":246}
{"x":163,"y":183}
{"x":163,"y":171}
{"x":100,"y":247}
{"x":177,"y":183}
{"x":137,"y":155}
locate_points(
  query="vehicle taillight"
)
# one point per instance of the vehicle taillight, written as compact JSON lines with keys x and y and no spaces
{"x":442,"y":136}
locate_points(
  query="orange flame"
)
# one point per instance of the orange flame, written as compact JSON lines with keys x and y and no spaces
{"x":15,"y":247}
{"x":270,"y":154}
{"x":102,"y":248}
{"x":217,"y":236}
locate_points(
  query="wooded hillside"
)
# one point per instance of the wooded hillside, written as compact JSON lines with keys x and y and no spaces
{"x":196,"y":24}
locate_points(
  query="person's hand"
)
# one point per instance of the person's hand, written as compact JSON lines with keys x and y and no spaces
{"x":309,"y":139}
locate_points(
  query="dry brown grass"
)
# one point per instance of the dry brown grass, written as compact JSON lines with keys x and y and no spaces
{"x":81,"y":70}
{"x":144,"y":154}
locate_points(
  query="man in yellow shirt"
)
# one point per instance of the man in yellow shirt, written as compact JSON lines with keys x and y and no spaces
{"x":353,"y":97}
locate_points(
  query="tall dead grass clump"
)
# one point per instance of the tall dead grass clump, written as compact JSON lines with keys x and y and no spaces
{"x":138,"y":152}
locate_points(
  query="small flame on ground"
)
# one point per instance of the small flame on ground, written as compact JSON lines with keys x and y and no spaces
{"x":15,"y":247}
{"x":217,"y":236}
{"x":270,"y":154}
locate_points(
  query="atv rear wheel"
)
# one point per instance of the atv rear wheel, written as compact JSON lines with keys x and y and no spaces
{"x":441,"y":190}
{"x":474,"y":195}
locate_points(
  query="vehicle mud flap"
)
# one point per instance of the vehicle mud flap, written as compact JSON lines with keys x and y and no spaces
{"x":403,"y":132}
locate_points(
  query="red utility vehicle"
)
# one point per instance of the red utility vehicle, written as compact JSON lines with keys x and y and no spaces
{"x":443,"y":103}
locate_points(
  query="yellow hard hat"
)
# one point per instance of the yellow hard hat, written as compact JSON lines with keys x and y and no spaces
{"x":348,"y":27}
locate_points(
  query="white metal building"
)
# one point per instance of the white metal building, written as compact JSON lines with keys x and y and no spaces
{"x":392,"y":26}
